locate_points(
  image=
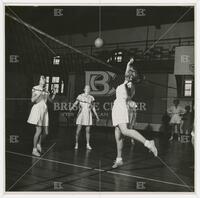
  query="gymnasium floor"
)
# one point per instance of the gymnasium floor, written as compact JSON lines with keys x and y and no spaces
{"x":61,"y":168}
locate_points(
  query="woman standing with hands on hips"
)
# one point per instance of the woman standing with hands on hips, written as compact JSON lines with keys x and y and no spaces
{"x":84,"y":118}
{"x":39,"y":113}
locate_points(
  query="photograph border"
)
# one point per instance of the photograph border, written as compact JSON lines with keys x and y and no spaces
{"x":194,"y":3}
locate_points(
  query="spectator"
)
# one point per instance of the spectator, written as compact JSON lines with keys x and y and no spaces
{"x":187,"y":119}
{"x":175,"y":113}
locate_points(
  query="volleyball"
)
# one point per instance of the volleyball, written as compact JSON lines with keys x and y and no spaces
{"x":98,"y":42}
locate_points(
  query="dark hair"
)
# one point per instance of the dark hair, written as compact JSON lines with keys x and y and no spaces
{"x":131,"y":74}
{"x":36,"y":78}
{"x":86,"y":86}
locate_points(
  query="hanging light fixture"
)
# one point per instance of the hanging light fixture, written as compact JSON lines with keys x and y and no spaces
{"x":99,"y":41}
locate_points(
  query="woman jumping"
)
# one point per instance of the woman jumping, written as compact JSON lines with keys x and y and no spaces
{"x":120,"y":117}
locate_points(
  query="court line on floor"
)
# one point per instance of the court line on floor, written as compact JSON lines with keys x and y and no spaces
{"x":173,"y":172}
{"x":40,"y":158}
{"x":100,"y":170}
{"x":50,"y":160}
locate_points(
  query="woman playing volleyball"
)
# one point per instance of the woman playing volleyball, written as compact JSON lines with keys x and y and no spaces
{"x":39,"y":113}
{"x":84,"y":118}
{"x":120,"y":116}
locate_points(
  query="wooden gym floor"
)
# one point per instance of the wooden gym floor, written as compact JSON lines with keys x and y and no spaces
{"x":61,"y":168}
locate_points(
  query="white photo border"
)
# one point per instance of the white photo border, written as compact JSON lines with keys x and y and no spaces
{"x":194,"y":3}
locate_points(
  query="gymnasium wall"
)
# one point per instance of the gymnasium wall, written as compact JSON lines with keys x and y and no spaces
{"x":36,"y":59}
{"x":183,"y":68}
{"x":172,"y":93}
{"x":150,"y":98}
{"x":18,"y":94}
{"x":180,"y":30}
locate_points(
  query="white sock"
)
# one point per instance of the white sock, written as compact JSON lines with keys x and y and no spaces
{"x":118,"y":159}
{"x":147,"y":144}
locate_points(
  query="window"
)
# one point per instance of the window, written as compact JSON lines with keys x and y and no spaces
{"x":56,"y":60}
{"x":117,"y":57}
{"x":47,"y":82}
{"x":55,"y":83}
{"x":188,"y":88}
{"x":185,"y":85}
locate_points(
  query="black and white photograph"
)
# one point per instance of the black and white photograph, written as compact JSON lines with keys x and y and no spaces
{"x":100,"y":98}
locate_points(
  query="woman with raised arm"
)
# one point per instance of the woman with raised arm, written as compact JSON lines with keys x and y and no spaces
{"x":84,"y":118}
{"x":39,"y":113}
{"x":120,"y":116}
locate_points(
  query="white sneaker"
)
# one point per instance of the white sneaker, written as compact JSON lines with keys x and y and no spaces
{"x":117,"y":163}
{"x":76,"y":146}
{"x":89,"y":147}
{"x":39,"y":148}
{"x":35,"y":152}
{"x":151,"y":146}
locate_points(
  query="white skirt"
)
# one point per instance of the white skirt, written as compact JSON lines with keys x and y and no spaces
{"x":175,"y":119}
{"x":120,"y":113}
{"x":39,"y":114}
{"x":84,"y":117}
